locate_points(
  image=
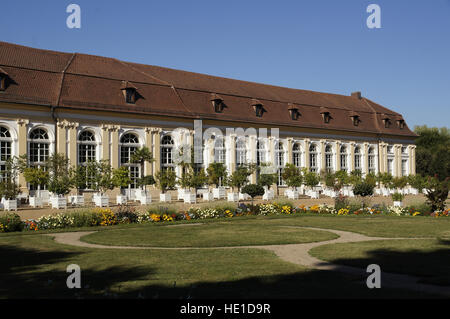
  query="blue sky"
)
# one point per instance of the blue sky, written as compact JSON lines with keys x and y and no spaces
{"x":320,"y":45}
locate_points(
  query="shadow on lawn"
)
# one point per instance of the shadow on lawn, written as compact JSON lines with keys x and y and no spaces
{"x":28,"y":273}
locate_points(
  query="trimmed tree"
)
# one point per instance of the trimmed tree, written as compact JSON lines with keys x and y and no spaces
{"x":217,"y":174}
{"x":141,"y":156}
{"x":253,"y":190}
{"x":60,"y":174}
{"x":8,"y":185}
{"x":292,"y":176}
{"x":166,"y":179}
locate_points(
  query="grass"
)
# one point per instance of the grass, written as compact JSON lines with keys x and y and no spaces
{"x":208,"y":235}
{"x":427,"y":258}
{"x":34,"y":265}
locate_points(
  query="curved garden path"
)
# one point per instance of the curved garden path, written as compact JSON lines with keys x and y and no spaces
{"x":295,"y":253}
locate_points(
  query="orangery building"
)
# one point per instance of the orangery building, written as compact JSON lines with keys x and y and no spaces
{"x":96,"y":108}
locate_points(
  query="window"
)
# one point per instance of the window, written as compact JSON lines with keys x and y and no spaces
{"x":387,"y":122}
{"x":279,"y":157}
{"x":390,"y":166}
{"x":326,"y":116}
{"x":371,"y":159}
{"x":313,"y":158}
{"x":167,"y":146}
{"x":38,"y":150}
{"x":293,"y":111}
{"x":343,"y":158}
{"x":259,"y":110}
{"x":260,"y":153}
{"x":296,"y":155}
{"x":401,"y":123}
{"x":219,"y":150}
{"x":356,"y":120}
{"x":358,"y":158}
{"x":404,"y":150}
{"x":3,"y":77}
{"x":129,"y":143}
{"x":217,"y":103}
{"x":86,"y":152}
{"x":404,"y":167}
{"x":390,"y":149}
{"x":5,"y":149}
{"x":241,"y":152}
{"x":329,"y":158}
{"x":130,"y":94}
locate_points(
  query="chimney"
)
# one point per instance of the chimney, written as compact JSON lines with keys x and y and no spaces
{"x":357,"y":95}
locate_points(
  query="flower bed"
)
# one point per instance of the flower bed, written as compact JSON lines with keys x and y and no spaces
{"x":127,"y":215}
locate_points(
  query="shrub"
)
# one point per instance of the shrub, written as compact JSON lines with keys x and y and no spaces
{"x":397,"y":197}
{"x":341,"y":202}
{"x":10,"y":222}
{"x":253,"y":190}
{"x":437,"y":193}
{"x":126,"y":215}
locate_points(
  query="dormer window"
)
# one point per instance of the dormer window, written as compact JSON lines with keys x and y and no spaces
{"x":3,"y":76}
{"x":217,"y":103}
{"x":387,"y":122}
{"x":258,"y":107}
{"x":129,"y":92}
{"x":355,"y":119}
{"x":326,"y":115}
{"x":401,"y":123}
{"x":293,"y":111}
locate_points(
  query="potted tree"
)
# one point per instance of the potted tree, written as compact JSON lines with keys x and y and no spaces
{"x":121,"y":178}
{"x":311,"y":181}
{"x":386,"y":183}
{"x":166,"y":180}
{"x":236,"y":180}
{"x":266,"y":181}
{"x":217,"y":175}
{"x":79,"y":181}
{"x":196,"y":178}
{"x":60,"y":179}
{"x":9,"y":189}
{"x":143,"y":182}
{"x":417,"y":184}
{"x":293,"y":178}
{"x":102,"y":181}
{"x":36,"y":176}
{"x":253,"y":190}
{"x":363,"y":189}
{"x":142,"y":156}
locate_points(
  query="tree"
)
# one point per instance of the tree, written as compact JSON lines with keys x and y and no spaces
{"x":60,"y":174}
{"x":36,"y":176}
{"x":9,"y":189}
{"x":341,"y":179}
{"x":121,"y":177}
{"x":253,"y":190}
{"x":355,"y":177}
{"x":417,"y":181}
{"x":217,"y":174}
{"x":267,"y":180}
{"x":166,"y":179}
{"x":364,"y":188}
{"x":239,"y":177}
{"x":292,"y":176}
{"x":437,"y":192}
{"x":142,"y":156}
{"x":79,"y":178}
{"x":146,"y":181}
{"x":311,"y":178}
{"x":101,"y":174}
{"x":433,"y":151}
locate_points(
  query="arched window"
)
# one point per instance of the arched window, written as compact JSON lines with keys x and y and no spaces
{"x":38,"y":150}
{"x":5,"y":148}
{"x":343,"y":158}
{"x":296,"y":155}
{"x":313,"y":158}
{"x":358,"y":158}
{"x":260,"y":152}
{"x":129,"y":143}
{"x":279,"y":157}
{"x":329,"y":158}
{"x":241,"y":152}
{"x":371,"y":159}
{"x":219,"y":150}
{"x":167,"y":146}
{"x":86,"y":152}
{"x":405,"y":161}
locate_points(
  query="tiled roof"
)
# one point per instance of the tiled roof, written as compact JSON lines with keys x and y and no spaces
{"x":89,"y":82}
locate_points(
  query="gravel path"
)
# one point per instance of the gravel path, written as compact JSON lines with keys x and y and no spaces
{"x":295,"y":253}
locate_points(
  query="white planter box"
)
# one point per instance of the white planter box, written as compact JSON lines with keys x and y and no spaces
{"x":208,"y":196}
{"x":269,"y":195}
{"x":76,"y":200}
{"x":378,"y":191}
{"x":291,"y":194}
{"x":232,"y":197}
{"x":145,"y":200}
{"x":101,"y":201}
{"x":219,"y":192}
{"x":244,"y":196}
{"x":165,"y":197}
{"x":385,"y":192}
{"x":314,"y":194}
{"x":121,"y":199}
{"x":10,"y":204}
{"x":58,"y":202}
{"x":181,"y":193}
{"x":36,"y":201}
{"x":396,"y":203}
{"x":190,"y":198}
{"x":414,"y":191}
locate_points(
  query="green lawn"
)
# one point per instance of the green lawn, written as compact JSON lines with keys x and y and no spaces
{"x":33,"y":265}
{"x":208,"y":235}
